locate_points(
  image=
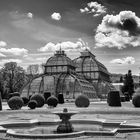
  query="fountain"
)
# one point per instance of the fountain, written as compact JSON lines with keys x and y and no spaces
{"x":65,"y":126}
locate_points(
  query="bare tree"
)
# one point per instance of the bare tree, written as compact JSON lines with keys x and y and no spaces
{"x":34,"y":70}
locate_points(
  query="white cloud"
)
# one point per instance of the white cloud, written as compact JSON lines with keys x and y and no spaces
{"x":56,"y":16}
{"x":67,"y":46}
{"x":3,"y":44}
{"x":119,"y":31}
{"x":30,"y":15}
{"x":95,"y":8}
{"x":14,"y":51}
{"x":3,"y":61}
{"x":126,"y":60}
{"x":42,"y":59}
{"x":48,"y":47}
{"x":2,"y":55}
{"x":84,"y":10}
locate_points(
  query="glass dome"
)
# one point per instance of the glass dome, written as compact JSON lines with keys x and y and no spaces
{"x":59,"y":63}
{"x":92,"y":69}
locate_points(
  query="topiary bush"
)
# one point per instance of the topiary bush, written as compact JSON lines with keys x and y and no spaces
{"x":15,"y":103}
{"x":46,"y":96}
{"x":52,"y":101}
{"x":25,"y":100}
{"x":32,"y":104}
{"x":136,"y":99}
{"x":82,"y":101}
{"x":13,"y":94}
{"x":113,"y":98}
{"x":60,"y":98}
{"x":39,"y":99}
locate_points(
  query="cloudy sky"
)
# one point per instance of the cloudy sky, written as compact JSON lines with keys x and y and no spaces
{"x":31,"y":30}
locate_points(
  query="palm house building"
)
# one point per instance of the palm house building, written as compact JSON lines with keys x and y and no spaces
{"x":83,"y":75}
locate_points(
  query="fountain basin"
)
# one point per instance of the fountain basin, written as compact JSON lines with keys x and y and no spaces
{"x":47,"y":130}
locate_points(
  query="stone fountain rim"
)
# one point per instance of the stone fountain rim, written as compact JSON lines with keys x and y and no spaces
{"x":68,"y":113}
{"x":122,"y":128}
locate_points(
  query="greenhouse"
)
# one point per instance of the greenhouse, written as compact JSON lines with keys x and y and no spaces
{"x":83,"y":75}
{"x":94,"y":72}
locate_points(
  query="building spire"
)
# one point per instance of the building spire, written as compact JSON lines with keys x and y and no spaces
{"x":60,"y":49}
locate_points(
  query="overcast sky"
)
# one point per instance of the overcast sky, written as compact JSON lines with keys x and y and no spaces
{"x":31,"y":31}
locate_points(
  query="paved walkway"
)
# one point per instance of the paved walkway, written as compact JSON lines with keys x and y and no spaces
{"x":96,"y":110}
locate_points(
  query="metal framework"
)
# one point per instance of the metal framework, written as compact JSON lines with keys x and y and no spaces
{"x":83,"y":75}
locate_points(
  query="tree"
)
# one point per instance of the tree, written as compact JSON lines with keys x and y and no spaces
{"x":129,"y":84}
{"x":33,"y":70}
{"x":121,"y":79}
{"x":12,"y":77}
{"x":2,"y":85}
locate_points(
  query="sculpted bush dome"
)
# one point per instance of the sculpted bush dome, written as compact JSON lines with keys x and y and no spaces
{"x":15,"y":103}
{"x":12,"y":78}
{"x":136,"y":99}
{"x":52,"y":101}
{"x":39,"y":99}
{"x":82,"y":101}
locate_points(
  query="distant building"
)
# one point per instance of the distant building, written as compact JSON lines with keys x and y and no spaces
{"x":83,"y":75}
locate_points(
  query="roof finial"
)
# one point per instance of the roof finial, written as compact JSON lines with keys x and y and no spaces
{"x":86,"y":46}
{"x":60,"y":47}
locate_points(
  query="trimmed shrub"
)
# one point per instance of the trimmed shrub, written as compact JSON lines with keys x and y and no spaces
{"x":32,"y":104}
{"x":25,"y":101}
{"x":15,"y":102}
{"x":82,"y":101}
{"x":136,"y":99}
{"x":52,"y":101}
{"x":60,"y":98}
{"x":46,"y":96}
{"x":39,"y":99}
{"x":113,"y":98}
{"x":13,"y":94}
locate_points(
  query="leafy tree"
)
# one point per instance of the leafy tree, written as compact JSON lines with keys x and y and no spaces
{"x":2,"y":85}
{"x":121,"y":79}
{"x":12,"y":77}
{"x":128,"y":84}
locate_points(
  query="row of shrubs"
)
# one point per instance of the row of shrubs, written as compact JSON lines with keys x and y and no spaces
{"x":15,"y":102}
{"x":114,"y":99}
{"x":37,"y":100}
